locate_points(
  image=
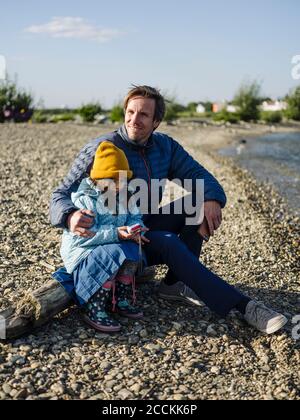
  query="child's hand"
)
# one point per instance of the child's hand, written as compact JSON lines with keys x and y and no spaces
{"x":138,"y":237}
{"x":123,"y":233}
{"x":125,"y":236}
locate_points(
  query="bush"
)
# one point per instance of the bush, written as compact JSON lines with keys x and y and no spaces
{"x":15,"y":104}
{"x":62,"y":118}
{"x":293,"y":100}
{"x":117,"y":114}
{"x":172,"y":111}
{"x":248,"y":99}
{"x":271,"y":117}
{"x":39,"y":117}
{"x":226,"y":116}
{"x":88,"y":111}
{"x":192,"y":107}
{"x":171,"y":114}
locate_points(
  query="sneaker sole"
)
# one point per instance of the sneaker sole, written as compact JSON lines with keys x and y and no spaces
{"x":99,"y":327}
{"x":180,"y":299}
{"x":276,"y":327}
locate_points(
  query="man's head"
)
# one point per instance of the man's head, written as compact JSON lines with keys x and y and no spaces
{"x":144,"y":108}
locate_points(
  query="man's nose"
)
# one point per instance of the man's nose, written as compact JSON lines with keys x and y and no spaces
{"x":136,"y":118}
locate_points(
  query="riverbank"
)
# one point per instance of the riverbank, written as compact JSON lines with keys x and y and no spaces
{"x":175,"y":352}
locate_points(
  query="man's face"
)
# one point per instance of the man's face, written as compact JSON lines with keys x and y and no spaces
{"x":139,"y":119}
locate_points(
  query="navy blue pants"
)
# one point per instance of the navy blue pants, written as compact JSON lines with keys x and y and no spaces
{"x":179,"y":247}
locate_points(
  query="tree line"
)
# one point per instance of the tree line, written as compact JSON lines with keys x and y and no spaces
{"x":17,"y":105}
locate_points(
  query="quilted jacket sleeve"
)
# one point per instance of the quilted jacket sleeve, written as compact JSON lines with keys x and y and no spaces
{"x":183,"y":166}
{"x":61,"y":204}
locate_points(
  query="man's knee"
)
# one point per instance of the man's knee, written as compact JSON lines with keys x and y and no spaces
{"x":163,"y":240}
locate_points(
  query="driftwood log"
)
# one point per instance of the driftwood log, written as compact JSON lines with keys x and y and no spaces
{"x":34,"y":310}
{"x":39,"y":306}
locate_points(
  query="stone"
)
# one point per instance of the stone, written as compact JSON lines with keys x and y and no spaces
{"x":6,"y":389}
{"x":124,"y":394}
{"x":143,"y":333}
{"x":133,"y":339}
{"x":58,"y":389}
{"x":177,"y":326}
{"x":211,"y":330}
{"x":215,"y":370}
{"x":153,"y":347}
{"x":178,"y":397}
{"x":136,"y":388}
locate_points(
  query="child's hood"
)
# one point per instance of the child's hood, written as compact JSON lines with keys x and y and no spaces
{"x":86,"y":187}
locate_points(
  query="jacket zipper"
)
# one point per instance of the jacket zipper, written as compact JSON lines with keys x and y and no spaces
{"x":148,"y":171}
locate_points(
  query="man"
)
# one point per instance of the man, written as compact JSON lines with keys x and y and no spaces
{"x":170,"y":241}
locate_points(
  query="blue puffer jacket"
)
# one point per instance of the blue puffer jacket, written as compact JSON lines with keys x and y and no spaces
{"x":75,"y":249}
{"x":160,"y":158}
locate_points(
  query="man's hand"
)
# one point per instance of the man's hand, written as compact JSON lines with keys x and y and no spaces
{"x":204,"y":230}
{"x":80,"y":221}
{"x":212,"y":219}
{"x":213,"y":215}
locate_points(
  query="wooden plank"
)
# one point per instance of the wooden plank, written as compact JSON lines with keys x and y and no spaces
{"x":34,"y":310}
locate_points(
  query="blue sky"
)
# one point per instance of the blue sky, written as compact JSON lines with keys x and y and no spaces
{"x":69,"y":52}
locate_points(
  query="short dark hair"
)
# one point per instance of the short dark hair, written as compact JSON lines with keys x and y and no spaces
{"x":148,"y":92}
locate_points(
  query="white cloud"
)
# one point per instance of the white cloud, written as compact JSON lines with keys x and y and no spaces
{"x":74,"y":27}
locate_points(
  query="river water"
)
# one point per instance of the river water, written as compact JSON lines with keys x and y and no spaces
{"x":274,"y":158}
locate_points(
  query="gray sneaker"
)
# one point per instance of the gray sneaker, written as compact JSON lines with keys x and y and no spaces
{"x":180,"y":292}
{"x":264,"y":319}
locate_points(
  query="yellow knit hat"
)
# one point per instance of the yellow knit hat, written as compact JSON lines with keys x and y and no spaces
{"x":109,"y":161}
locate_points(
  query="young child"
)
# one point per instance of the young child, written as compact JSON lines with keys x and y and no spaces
{"x":104,"y":266}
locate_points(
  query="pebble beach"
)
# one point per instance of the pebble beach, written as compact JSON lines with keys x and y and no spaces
{"x":176,"y":352}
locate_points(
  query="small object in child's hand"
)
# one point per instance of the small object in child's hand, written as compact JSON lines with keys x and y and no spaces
{"x":134,"y":229}
{"x":206,"y":238}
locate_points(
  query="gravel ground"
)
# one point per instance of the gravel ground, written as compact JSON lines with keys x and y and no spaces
{"x":176,"y":352}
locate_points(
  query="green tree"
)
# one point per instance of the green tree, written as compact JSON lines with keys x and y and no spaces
{"x":293,"y":100}
{"x":171,"y":112}
{"x":274,"y":117}
{"x":117,"y":114}
{"x":208,"y":106}
{"x":248,"y":100}
{"x":173,"y":109}
{"x":89,"y":111}
{"x":15,"y":103}
{"x":192,"y":107}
